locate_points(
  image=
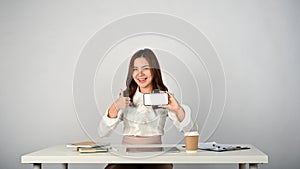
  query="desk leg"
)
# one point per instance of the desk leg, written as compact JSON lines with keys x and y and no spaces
{"x":37,"y":166}
{"x":64,"y":166}
{"x":242,"y":166}
{"x":253,"y":166}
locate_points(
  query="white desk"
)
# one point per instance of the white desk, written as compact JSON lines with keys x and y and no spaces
{"x":63,"y":155}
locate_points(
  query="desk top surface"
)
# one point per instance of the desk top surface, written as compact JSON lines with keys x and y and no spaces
{"x":62,"y":154}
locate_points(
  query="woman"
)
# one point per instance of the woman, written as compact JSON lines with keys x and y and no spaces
{"x":143,"y":124}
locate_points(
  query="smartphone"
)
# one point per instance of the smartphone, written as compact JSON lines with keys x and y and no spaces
{"x":155,"y":99}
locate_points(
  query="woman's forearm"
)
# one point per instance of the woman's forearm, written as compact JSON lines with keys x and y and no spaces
{"x":112,"y":111}
{"x":180,"y":114}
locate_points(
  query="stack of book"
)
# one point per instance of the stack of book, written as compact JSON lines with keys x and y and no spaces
{"x":89,"y":147}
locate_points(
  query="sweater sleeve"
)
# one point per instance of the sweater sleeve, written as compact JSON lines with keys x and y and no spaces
{"x":186,"y":124}
{"x":107,"y":124}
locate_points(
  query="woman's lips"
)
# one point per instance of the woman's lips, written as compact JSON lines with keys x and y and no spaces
{"x":142,"y":80}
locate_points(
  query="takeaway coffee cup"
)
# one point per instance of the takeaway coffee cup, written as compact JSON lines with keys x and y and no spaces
{"x":191,"y":141}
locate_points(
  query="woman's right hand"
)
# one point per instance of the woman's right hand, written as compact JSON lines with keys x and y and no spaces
{"x":121,"y":103}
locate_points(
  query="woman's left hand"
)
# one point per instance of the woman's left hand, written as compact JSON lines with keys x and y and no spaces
{"x":174,"y":106}
{"x":172,"y":103}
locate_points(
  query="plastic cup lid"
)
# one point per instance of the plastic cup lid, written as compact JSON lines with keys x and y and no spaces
{"x":191,"y":133}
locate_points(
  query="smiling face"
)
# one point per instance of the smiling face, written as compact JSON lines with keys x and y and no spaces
{"x":142,"y":75}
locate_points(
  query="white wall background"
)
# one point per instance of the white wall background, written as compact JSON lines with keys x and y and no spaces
{"x":258,"y":43}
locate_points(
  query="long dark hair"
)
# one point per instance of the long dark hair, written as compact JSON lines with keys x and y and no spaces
{"x":157,"y":81}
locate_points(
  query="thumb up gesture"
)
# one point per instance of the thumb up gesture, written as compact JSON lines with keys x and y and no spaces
{"x":121,"y":103}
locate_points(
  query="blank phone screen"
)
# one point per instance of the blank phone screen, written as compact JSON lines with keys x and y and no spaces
{"x":155,"y":99}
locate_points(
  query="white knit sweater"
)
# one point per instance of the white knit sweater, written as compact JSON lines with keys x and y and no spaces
{"x":140,"y":120}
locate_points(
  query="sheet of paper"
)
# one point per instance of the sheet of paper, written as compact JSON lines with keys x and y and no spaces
{"x":213,"y":146}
